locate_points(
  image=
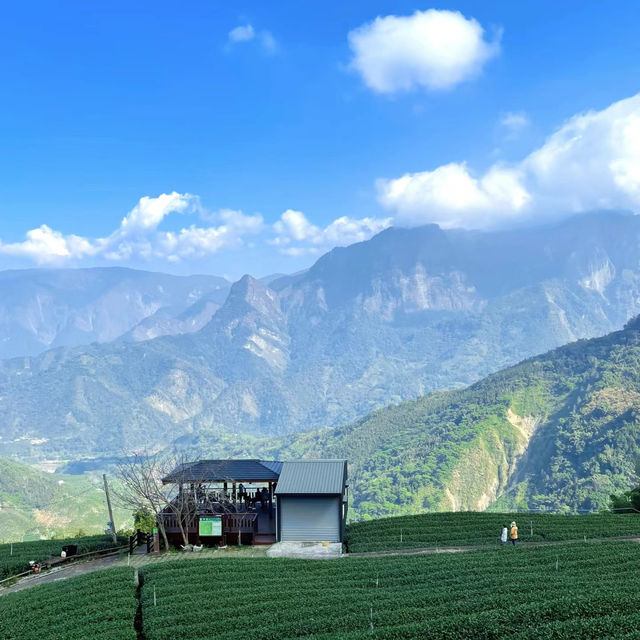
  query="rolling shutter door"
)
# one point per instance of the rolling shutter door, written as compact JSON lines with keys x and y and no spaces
{"x":309,"y":518}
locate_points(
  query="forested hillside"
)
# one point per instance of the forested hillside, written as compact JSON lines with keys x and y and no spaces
{"x":556,"y":432}
{"x":35,"y":505}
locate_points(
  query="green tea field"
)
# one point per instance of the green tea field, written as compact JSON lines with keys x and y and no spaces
{"x":101,"y":606}
{"x":584,"y":590}
{"x":482,"y":528}
{"x":14,"y":558}
{"x":563,"y":590}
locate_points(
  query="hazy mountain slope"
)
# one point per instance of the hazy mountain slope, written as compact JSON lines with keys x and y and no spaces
{"x":407,"y":312}
{"x":559,"y":431}
{"x":45,"y":308}
{"x":36,"y":504}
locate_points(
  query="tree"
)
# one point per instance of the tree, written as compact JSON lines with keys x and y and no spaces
{"x":141,"y":489}
{"x":144,"y":520}
{"x":628,"y":502}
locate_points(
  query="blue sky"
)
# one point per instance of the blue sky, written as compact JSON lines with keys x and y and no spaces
{"x":444,"y":116}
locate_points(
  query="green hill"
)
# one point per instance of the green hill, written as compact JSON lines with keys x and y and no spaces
{"x":556,"y":432}
{"x":35,"y":505}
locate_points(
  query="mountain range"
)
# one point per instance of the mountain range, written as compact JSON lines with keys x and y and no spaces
{"x":42,"y":309}
{"x":376,"y":323}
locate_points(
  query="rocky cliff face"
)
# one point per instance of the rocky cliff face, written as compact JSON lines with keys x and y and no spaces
{"x":375,"y":323}
{"x":42,"y":309}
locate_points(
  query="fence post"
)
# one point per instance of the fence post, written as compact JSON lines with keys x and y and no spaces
{"x":132,"y":540}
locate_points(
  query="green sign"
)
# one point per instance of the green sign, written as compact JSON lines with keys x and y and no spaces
{"x":210,"y":526}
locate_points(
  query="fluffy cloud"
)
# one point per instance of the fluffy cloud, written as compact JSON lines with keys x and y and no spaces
{"x":138,"y":235}
{"x":431,"y":49}
{"x":44,"y":245}
{"x":296,"y":236}
{"x":591,"y":162}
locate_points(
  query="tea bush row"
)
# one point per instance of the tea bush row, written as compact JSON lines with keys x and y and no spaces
{"x":485,"y":594}
{"x":14,"y":558}
{"x":469,"y":528}
{"x":100,"y":606}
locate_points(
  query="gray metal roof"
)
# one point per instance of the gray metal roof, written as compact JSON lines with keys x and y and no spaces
{"x":225,"y":471}
{"x":312,"y":476}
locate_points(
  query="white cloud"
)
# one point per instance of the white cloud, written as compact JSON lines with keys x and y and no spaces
{"x":45,"y":246}
{"x":268,"y":42}
{"x":139,"y":237}
{"x":242,"y":34}
{"x":432,"y":49}
{"x":149,"y":212}
{"x":514,"y":122}
{"x":296,"y":236}
{"x":246,"y":33}
{"x":591,"y":162}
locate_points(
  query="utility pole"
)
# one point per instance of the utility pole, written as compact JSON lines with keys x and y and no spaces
{"x":113,"y":527}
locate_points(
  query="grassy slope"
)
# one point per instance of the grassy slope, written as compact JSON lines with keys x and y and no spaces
{"x":35,"y":504}
{"x":466,"y":449}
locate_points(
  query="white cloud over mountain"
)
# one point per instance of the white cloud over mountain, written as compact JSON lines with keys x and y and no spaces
{"x":591,"y":162}
{"x":431,"y":49}
{"x":44,"y":245}
{"x":296,"y":236}
{"x":138,"y":235}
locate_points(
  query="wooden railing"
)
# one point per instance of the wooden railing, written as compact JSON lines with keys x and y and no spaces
{"x":240,"y":523}
{"x":140,"y":538}
{"x":231,"y":523}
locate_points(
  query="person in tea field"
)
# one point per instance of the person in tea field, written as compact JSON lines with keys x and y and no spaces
{"x":513,"y":534}
{"x":503,"y":535}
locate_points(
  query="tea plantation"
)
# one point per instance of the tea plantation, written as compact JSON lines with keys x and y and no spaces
{"x":580,"y":590}
{"x":577,"y":590}
{"x":14,"y":558}
{"x":482,"y":528}
{"x":100,"y":606}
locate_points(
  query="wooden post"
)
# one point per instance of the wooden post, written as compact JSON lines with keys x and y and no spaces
{"x":113,"y":526}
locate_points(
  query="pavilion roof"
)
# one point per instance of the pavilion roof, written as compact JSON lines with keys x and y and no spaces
{"x":225,"y":471}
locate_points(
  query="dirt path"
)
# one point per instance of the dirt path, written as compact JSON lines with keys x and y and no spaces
{"x":62,"y":573}
{"x":485,"y":547}
{"x":119,"y":560}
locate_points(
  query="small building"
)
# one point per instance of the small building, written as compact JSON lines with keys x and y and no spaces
{"x":256,"y":501}
{"x":312,"y":501}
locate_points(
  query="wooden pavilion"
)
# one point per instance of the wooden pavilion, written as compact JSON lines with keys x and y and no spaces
{"x":223,"y":500}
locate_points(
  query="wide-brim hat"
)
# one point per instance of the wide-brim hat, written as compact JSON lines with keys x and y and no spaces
{"x":513,"y":524}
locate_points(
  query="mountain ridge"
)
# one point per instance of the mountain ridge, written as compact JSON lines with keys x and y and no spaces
{"x":381,"y":321}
